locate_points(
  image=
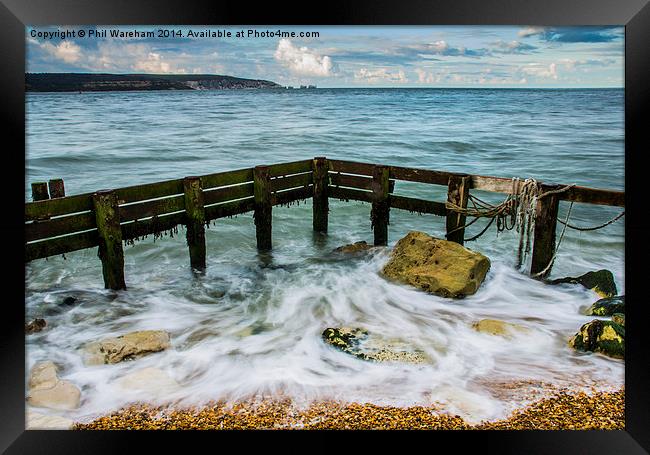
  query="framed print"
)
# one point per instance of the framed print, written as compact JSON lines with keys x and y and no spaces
{"x":388,"y":217}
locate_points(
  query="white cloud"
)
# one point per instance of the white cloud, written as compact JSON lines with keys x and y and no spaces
{"x":152,"y":63}
{"x":540,"y":70}
{"x":380,"y":75}
{"x":302,"y":60}
{"x":424,"y":77}
{"x":67,"y":51}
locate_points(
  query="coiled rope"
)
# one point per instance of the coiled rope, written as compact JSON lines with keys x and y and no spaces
{"x":517,"y":211}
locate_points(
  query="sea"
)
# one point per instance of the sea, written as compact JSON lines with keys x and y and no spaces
{"x":251,"y":326}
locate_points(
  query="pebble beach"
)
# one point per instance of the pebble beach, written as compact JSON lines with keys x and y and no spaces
{"x":564,"y":410}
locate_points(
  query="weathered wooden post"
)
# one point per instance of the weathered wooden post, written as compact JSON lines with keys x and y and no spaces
{"x":263,"y":207}
{"x":56,"y":188}
{"x":380,"y":211}
{"x":320,"y":204}
{"x":458,"y":194}
{"x":195,"y":221}
{"x":544,"y":235}
{"x":107,"y":217}
{"x":39,"y":191}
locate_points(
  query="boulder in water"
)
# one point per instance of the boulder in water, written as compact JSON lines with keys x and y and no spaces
{"x":354,"y":248}
{"x":126,"y":347}
{"x":606,"y":337}
{"x":498,"y":327}
{"x":152,"y":380}
{"x":366,"y":346}
{"x":436,"y":266}
{"x":35,"y":326}
{"x":607,"y":306}
{"x":600,"y":281}
{"x":48,"y":391}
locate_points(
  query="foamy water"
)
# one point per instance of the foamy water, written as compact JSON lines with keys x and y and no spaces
{"x":252,"y":324}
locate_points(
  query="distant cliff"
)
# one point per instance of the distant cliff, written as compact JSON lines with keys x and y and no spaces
{"x":75,"y":82}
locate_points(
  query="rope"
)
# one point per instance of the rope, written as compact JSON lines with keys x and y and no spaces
{"x":616,"y":218}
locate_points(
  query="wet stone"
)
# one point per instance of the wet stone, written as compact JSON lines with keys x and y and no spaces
{"x":607,"y":306}
{"x":619,"y":318}
{"x":605,"y":337}
{"x":126,"y":347}
{"x":600,"y":281}
{"x":498,"y":327}
{"x":354,"y":248}
{"x":35,"y":326}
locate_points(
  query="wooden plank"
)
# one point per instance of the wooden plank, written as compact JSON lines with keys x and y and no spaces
{"x":149,"y":191}
{"x":320,"y":205}
{"x":61,"y":245}
{"x":59,"y":226}
{"x":228,"y":193}
{"x":59,"y":206}
{"x":137,"y":229}
{"x":148,"y":209}
{"x":594,"y":196}
{"x":380,"y":212}
{"x":346,"y":194}
{"x":296,"y":194}
{"x":263,"y":207}
{"x":494,"y":184}
{"x":418,"y":205}
{"x":351,"y":167}
{"x":458,"y":194}
{"x":420,"y":175}
{"x":107,"y":217}
{"x":294,"y":167}
{"x":57,"y":188}
{"x":195,"y":232}
{"x":229,"y":209}
{"x":226,"y":178}
{"x":292,"y":181}
{"x":355,"y":181}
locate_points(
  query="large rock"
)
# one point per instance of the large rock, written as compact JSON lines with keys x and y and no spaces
{"x":64,"y":395}
{"x":605,"y":337}
{"x":498,"y":327}
{"x":365,"y":346}
{"x":43,"y":375}
{"x":607,"y":307}
{"x":354,"y":248}
{"x":152,"y":380}
{"x":126,"y":347}
{"x":437,"y":266}
{"x":46,"y":390}
{"x":37,"y":421}
{"x":600,"y":281}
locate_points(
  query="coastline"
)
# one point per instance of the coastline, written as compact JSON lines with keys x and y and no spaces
{"x":564,"y":410}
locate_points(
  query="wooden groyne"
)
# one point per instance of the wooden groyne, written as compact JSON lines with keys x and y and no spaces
{"x":57,"y":224}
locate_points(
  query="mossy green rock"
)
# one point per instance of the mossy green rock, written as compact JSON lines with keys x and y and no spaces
{"x":619,"y":318}
{"x":366,"y":346}
{"x":607,"y":307}
{"x":436,"y":266}
{"x":606,"y":337}
{"x":600,"y":281}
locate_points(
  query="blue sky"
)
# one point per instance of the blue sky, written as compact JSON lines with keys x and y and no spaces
{"x":369,"y":56}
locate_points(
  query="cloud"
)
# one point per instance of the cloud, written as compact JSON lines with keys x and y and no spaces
{"x":512,"y":47}
{"x":67,"y":51}
{"x":440,"y":47}
{"x":380,"y":75}
{"x":540,"y":71}
{"x":580,"y":34}
{"x":153,"y":63}
{"x":424,"y":77}
{"x":302,"y":60}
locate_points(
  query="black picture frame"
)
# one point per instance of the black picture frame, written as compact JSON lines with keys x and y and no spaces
{"x":633,"y":14}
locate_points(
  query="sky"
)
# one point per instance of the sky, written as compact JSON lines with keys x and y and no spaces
{"x":344,"y":56}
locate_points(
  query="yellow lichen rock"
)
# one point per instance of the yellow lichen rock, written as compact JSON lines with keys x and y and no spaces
{"x":436,"y":266}
{"x":126,"y":347}
{"x":497,"y":327}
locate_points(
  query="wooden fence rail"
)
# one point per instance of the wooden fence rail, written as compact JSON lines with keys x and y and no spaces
{"x":57,"y":224}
